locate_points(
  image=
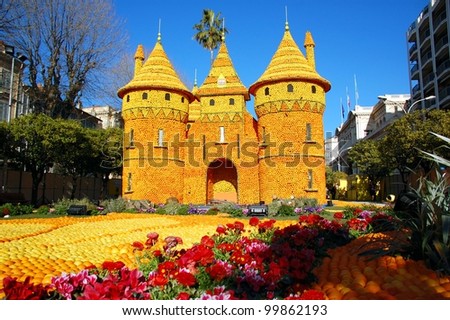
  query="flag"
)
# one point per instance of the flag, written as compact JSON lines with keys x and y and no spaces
{"x":342,"y":111}
{"x":348,"y":100}
{"x":356,"y":91}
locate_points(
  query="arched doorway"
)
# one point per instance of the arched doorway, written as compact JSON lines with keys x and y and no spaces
{"x":221,"y":181}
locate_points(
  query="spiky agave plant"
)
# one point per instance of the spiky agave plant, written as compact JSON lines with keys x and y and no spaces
{"x":430,"y":223}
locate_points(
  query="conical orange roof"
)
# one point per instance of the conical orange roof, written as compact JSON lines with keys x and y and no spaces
{"x":289,"y":63}
{"x":156,"y":73}
{"x":222,"y":78}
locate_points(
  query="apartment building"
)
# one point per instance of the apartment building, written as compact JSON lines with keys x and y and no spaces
{"x":13,"y":98}
{"x":429,"y":56}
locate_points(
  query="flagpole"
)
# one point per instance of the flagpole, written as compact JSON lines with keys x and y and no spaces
{"x":342,"y":112}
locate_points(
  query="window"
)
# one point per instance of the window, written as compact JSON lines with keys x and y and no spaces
{"x":266,"y":91}
{"x":313,"y":89}
{"x":263,"y":135}
{"x":310,"y":179}
{"x":160,"y":137}
{"x":144,"y":96}
{"x":129,"y":182}
{"x":222,"y":134}
{"x":131,"y":138}
{"x":308,"y":131}
{"x":128,"y":98}
{"x":182,"y":99}
{"x":231,"y":102}
{"x":212,"y":102}
{"x":290,"y":88}
{"x":167,"y":96}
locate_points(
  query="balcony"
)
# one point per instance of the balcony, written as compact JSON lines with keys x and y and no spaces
{"x":425,"y":38}
{"x":440,"y":45}
{"x":414,"y":72}
{"x":415,"y":90}
{"x":439,"y":22}
{"x":411,"y":33}
{"x":425,"y":59}
{"x":444,"y":98}
{"x":443,"y":70}
{"x":412,"y":49}
{"x":428,"y":81}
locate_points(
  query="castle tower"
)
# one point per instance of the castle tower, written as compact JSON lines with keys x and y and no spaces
{"x":222,"y":128}
{"x":289,"y":102}
{"x":155,"y":111}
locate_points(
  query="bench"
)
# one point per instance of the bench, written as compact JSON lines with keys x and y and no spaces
{"x":78,"y":210}
{"x":258,"y":210}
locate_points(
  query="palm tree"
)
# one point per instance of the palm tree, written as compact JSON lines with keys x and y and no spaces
{"x":210,"y":30}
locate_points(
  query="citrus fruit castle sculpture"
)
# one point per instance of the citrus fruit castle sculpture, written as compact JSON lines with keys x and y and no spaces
{"x":202,"y":144}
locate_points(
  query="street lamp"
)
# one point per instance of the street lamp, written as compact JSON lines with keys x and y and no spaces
{"x":340,"y":153}
{"x":21,"y":58}
{"x":417,"y":102}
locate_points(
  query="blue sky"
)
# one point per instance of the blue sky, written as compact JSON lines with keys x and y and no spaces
{"x":366,"y":39}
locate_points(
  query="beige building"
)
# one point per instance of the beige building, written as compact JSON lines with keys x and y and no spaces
{"x":13,"y":97}
{"x":110,"y":117}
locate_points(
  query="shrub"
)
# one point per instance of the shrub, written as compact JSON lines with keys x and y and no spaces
{"x":230,"y":208}
{"x":172,"y":207}
{"x":43,"y":210}
{"x":273,"y":207}
{"x":285,"y":211}
{"x":61,"y":207}
{"x":114,"y":205}
{"x":183,"y":209}
{"x":428,"y":216}
{"x":15,"y":210}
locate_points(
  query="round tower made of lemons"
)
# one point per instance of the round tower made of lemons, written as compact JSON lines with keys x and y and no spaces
{"x":289,"y":103}
{"x":155,"y":107}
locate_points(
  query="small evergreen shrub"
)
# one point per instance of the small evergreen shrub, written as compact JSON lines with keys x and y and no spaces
{"x":43,"y":210}
{"x":285,"y":211}
{"x":114,"y":205}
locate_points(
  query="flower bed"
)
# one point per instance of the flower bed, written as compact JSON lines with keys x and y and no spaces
{"x":137,"y":256}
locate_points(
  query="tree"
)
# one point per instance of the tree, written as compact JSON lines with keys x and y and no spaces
{"x":69,"y":45}
{"x":406,"y":136}
{"x":108,"y":161}
{"x":209,"y":31}
{"x":369,"y":160}
{"x":75,"y":153}
{"x":33,"y":135}
{"x":7,"y":16}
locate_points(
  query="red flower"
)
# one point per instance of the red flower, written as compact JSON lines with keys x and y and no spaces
{"x":138,"y":245}
{"x":226,"y":247}
{"x":157,"y":279}
{"x":338,"y":215}
{"x":207,"y":242}
{"x":254,"y":221}
{"x":219,"y":271}
{"x":157,"y":253}
{"x":186,"y":279}
{"x":111,"y":265}
{"x":312,"y":295}
{"x":221,"y":229}
{"x":266,"y":225}
{"x":172,"y":242}
{"x":183,"y":296}
{"x":166,"y":267}
{"x":239,"y":258}
{"x":153,"y":236}
{"x":15,"y":290}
